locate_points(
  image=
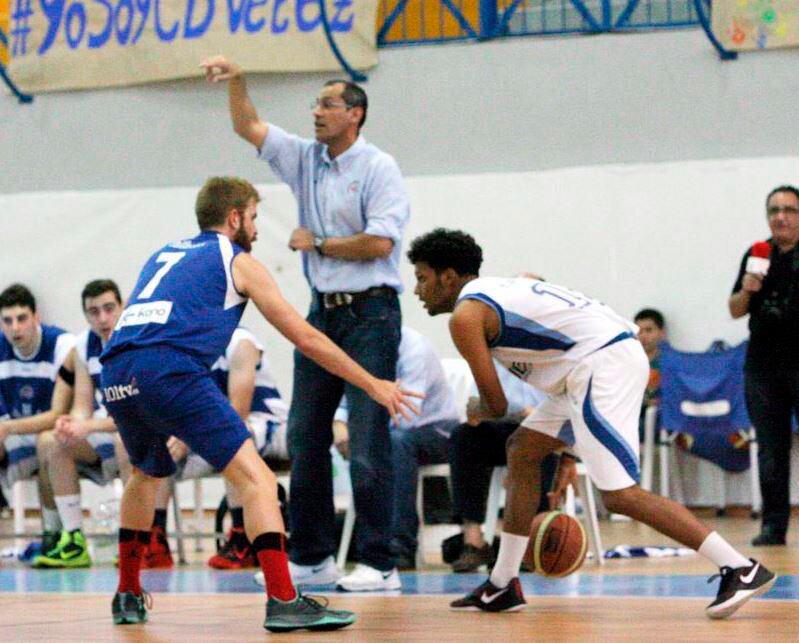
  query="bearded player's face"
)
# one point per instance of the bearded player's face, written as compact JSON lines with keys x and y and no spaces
{"x":247,"y":232}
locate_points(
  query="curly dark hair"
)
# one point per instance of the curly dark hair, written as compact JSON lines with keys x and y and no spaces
{"x":441,"y":249}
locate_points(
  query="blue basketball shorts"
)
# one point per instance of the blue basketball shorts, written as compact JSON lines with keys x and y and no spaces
{"x":157,"y":392}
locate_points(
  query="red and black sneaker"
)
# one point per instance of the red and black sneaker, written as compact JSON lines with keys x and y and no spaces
{"x":489,"y":598}
{"x":158,"y":554}
{"x":236,"y":553}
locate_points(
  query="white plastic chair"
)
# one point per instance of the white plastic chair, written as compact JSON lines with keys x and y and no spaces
{"x":648,"y":451}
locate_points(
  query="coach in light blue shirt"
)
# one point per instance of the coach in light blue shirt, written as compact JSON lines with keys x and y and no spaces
{"x":420,"y":440}
{"x":353,"y":210}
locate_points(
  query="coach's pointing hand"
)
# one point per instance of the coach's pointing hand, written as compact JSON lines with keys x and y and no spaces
{"x":220,"y":68}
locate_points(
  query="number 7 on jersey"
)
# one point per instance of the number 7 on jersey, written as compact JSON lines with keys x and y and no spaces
{"x":169,"y":259}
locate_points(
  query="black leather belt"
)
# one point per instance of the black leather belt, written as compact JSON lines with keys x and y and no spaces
{"x":336,"y":299}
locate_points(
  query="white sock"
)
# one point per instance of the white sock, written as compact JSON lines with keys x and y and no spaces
{"x":509,"y":560}
{"x":51,"y":519}
{"x":721,"y":553}
{"x":70,"y":512}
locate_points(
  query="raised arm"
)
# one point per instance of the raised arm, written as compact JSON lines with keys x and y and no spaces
{"x":468,"y":326}
{"x":242,"y":111}
{"x":254,"y":281}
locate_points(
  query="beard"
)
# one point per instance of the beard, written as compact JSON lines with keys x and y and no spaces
{"x":242,"y":239}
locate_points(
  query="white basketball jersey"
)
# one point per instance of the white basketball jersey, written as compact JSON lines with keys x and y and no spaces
{"x":545,"y":329}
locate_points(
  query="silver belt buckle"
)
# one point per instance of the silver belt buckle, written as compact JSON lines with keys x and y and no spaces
{"x":334,"y":299}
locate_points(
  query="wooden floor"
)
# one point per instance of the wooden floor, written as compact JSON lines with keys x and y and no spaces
{"x":397,"y":618}
{"x":193,"y":617}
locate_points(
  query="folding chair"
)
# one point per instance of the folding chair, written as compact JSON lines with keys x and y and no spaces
{"x":703,"y":409}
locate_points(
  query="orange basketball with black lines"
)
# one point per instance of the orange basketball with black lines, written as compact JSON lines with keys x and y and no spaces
{"x":558,"y":544}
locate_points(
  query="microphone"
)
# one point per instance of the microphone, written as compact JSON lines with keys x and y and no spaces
{"x":758,"y":261}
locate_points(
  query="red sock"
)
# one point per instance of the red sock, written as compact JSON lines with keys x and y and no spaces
{"x":132,"y":546}
{"x":270,"y":548}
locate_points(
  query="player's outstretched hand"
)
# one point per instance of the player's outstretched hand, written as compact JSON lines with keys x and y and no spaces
{"x":219,"y":68}
{"x":395,"y":398}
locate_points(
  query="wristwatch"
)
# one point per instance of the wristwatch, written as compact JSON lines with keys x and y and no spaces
{"x":318,"y":242}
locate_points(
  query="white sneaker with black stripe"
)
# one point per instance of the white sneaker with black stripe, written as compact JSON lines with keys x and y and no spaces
{"x":368,"y":579}
{"x":738,"y":586}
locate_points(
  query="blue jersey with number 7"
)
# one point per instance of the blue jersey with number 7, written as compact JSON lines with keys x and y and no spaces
{"x":185,"y":299}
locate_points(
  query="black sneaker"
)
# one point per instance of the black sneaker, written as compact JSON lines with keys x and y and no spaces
{"x":304,"y":613}
{"x":472,"y":558}
{"x":128,"y":608}
{"x":489,"y":598}
{"x":738,"y":586}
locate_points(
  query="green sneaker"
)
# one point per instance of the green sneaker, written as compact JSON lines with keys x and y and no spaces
{"x":304,"y":613}
{"x":71,"y":551}
{"x":129,"y":609}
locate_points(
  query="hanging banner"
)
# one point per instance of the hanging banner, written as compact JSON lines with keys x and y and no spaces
{"x":747,"y":25}
{"x":77,"y":44}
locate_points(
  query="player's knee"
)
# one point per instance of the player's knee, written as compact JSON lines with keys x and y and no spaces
{"x":523,"y":450}
{"x":45,"y":443}
{"x":620,"y":501}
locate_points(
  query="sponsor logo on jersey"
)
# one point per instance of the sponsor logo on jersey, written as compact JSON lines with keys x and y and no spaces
{"x":26,"y":392}
{"x":117,"y":392}
{"x":520,"y":369}
{"x":186,"y":244}
{"x":153,"y":312}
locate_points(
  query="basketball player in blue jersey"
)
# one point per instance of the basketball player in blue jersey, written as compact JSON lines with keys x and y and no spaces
{"x":583,"y":355}
{"x":36,"y":378}
{"x":157,"y":383}
{"x":84,"y":439}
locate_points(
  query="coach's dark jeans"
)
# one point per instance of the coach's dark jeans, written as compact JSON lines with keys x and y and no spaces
{"x":771,"y":399}
{"x":474,"y":452}
{"x":368,"y":330}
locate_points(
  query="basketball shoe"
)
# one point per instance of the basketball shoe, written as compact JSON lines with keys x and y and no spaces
{"x":304,"y":613}
{"x":738,"y":586}
{"x":368,"y":579}
{"x":158,"y":554}
{"x":70,"y":551}
{"x":236,"y":553}
{"x":490,"y":598}
{"x":128,"y":608}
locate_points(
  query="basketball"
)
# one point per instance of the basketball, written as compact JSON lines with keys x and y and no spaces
{"x":557,"y":544}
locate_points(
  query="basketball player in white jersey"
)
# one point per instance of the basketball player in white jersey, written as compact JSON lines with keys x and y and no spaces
{"x":585,"y":357}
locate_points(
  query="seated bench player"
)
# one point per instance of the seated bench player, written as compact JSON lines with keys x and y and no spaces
{"x":83,"y":441}
{"x":242,"y":374}
{"x":36,"y":387}
{"x":423,"y":439}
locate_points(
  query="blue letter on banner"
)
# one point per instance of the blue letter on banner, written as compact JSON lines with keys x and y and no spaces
{"x":302,"y":23}
{"x":339,"y":23}
{"x":166,"y":36}
{"x":192,"y":31}
{"x":278,"y":26}
{"x":235,"y":13}
{"x":249,"y":25}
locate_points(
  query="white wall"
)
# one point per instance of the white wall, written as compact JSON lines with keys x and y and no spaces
{"x":507,"y":105}
{"x":667,"y":235}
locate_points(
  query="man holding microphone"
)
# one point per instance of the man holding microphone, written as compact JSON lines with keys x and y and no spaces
{"x":767,"y":289}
